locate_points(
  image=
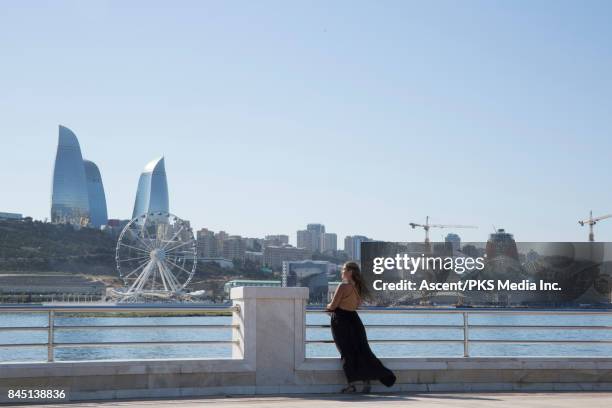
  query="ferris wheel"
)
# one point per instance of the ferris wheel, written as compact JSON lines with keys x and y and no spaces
{"x":156,"y":257}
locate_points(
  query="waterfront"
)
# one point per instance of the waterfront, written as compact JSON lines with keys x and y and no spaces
{"x":167,"y":331}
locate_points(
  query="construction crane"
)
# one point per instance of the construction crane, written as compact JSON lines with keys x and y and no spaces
{"x":427,"y":226}
{"x":592,"y":221}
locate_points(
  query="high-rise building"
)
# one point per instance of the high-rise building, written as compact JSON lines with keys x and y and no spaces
{"x":501,"y":243}
{"x":316,"y":228}
{"x":310,"y":238}
{"x":316,"y":231}
{"x":98,"y":215}
{"x":234,"y":247}
{"x":305,"y":241}
{"x":352,"y":246}
{"x":348,"y":246}
{"x":220,"y":237}
{"x":274,"y":256}
{"x":69,"y":198}
{"x":206,"y":243}
{"x":329,"y":242}
{"x":454,"y":240}
{"x":152,"y":193}
{"x":254,"y":244}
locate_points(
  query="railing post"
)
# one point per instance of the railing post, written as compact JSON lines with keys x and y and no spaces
{"x":466,"y":335}
{"x":273,"y":330}
{"x":50,"y":337}
{"x":239,"y":333}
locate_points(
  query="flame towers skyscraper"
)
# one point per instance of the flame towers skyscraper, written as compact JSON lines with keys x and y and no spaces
{"x":78,"y":194}
{"x":69,"y":199}
{"x":95,"y":191}
{"x":152,"y":193}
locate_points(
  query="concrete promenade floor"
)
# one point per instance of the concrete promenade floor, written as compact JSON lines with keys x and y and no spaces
{"x":441,"y":400}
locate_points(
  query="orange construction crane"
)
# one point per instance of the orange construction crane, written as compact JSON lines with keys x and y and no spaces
{"x":592,"y":221}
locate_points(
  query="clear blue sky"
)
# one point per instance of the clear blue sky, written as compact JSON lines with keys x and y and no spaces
{"x":360,"y":115}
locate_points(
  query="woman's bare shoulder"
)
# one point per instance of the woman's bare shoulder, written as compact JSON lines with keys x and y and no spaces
{"x":346,"y":287}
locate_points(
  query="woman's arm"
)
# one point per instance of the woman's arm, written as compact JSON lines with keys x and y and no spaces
{"x":338,"y":295}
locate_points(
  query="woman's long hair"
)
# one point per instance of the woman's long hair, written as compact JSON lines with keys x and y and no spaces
{"x":362,"y":289}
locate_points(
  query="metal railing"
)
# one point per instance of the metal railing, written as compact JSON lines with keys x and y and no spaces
{"x":466,"y":327}
{"x":466,"y":324}
{"x":52,"y":328}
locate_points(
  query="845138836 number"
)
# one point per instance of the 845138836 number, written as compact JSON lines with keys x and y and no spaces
{"x":23,"y":394}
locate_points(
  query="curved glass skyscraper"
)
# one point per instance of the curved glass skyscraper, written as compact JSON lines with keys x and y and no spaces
{"x":152,"y":193}
{"x":69,"y":198}
{"x":95,"y":192}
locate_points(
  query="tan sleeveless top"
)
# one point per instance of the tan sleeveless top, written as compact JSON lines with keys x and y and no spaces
{"x":346,"y":298}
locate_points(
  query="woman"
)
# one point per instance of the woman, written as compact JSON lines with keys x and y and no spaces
{"x":358,"y":361}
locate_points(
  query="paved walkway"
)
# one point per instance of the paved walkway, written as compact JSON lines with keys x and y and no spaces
{"x":472,"y":400}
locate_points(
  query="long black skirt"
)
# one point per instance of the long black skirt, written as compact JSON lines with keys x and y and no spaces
{"x":358,"y":361}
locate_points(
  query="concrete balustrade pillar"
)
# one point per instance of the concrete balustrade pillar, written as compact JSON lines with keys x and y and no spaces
{"x":271,"y":333}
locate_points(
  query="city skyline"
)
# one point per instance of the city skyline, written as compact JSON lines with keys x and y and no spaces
{"x":152,"y":187}
{"x":363,"y":117}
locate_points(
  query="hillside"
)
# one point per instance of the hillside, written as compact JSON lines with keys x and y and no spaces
{"x":34,"y":246}
{"x":38,"y":246}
